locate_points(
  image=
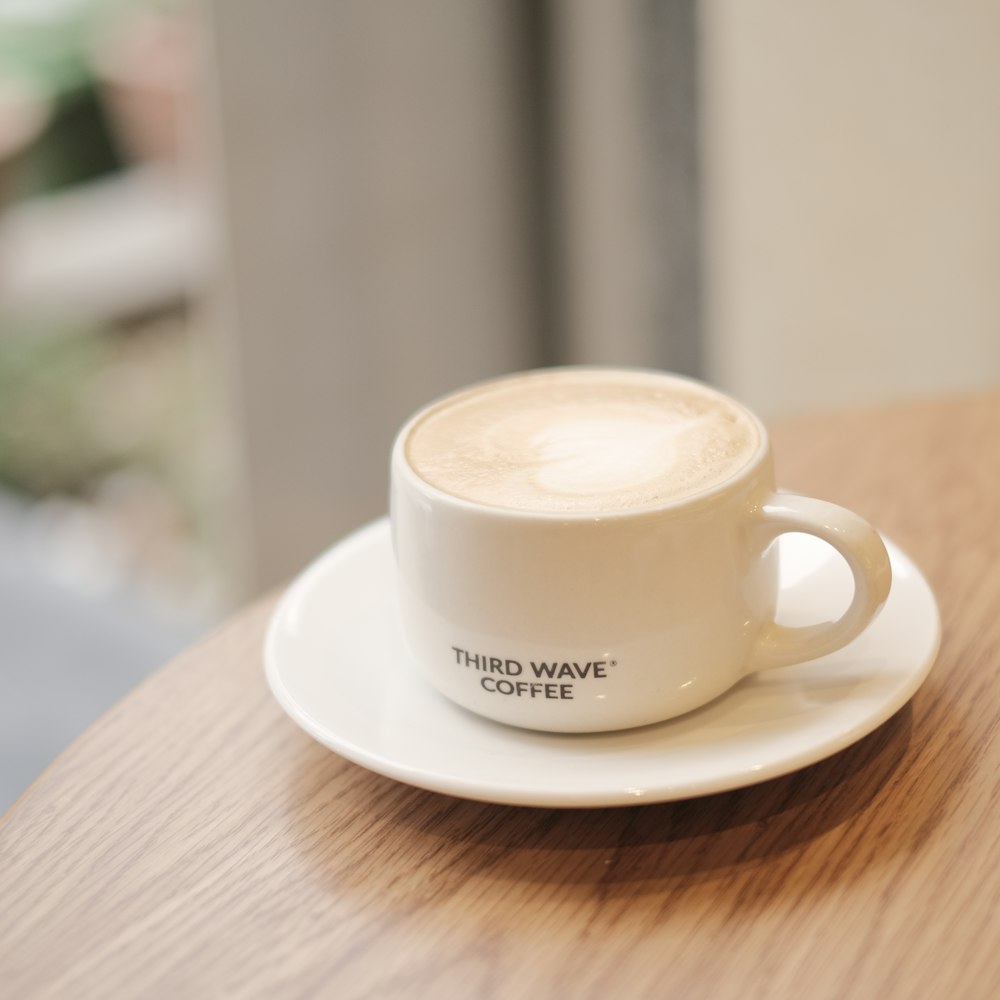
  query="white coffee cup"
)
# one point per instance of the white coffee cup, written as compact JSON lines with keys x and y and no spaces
{"x":601,"y":591}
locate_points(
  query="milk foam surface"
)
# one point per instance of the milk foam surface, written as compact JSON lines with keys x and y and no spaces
{"x":581,"y":440}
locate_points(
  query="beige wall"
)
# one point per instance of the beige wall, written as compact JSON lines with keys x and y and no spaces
{"x":852,"y":157}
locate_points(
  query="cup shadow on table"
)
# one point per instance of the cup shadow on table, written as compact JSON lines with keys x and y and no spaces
{"x":450,"y":843}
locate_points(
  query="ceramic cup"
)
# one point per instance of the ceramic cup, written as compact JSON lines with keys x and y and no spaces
{"x":613,"y":617}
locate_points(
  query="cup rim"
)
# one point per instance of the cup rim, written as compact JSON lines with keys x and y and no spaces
{"x":400,"y":463}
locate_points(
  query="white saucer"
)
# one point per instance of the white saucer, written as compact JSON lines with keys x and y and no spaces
{"x":335,"y":662}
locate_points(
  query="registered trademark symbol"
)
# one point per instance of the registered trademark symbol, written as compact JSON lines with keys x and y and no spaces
{"x":614,"y":663}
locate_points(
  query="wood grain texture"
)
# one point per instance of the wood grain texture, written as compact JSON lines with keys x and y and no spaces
{"x":194,"y":843}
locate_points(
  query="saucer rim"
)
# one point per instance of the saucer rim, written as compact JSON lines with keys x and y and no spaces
{"x":506,"y":792}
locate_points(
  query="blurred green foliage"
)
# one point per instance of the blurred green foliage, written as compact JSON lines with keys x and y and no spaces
{"x":49,"y":44}
{"x":48,"y":442}
{"x":49,"y":41}
{"x":75,"y":405}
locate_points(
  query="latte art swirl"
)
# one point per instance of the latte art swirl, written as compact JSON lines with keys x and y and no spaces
{"x":595,"y":455}
{"x":581,"y":440}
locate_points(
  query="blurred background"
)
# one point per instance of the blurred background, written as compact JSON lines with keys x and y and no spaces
{"x":240,"y":241}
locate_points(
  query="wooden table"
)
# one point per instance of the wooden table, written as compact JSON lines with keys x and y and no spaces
{"x":195,"y":843}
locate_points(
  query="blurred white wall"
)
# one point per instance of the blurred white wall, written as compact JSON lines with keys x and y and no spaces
{"x":851,"y":162}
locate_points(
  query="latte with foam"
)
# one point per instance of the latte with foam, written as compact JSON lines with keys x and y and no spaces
{"x":582,"y":441}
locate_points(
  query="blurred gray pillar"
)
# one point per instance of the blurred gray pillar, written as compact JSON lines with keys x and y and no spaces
{"x":626,"y":182}
{"x":372,"y":187}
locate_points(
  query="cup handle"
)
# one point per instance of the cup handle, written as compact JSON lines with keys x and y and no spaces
{"x":864,"y":551}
